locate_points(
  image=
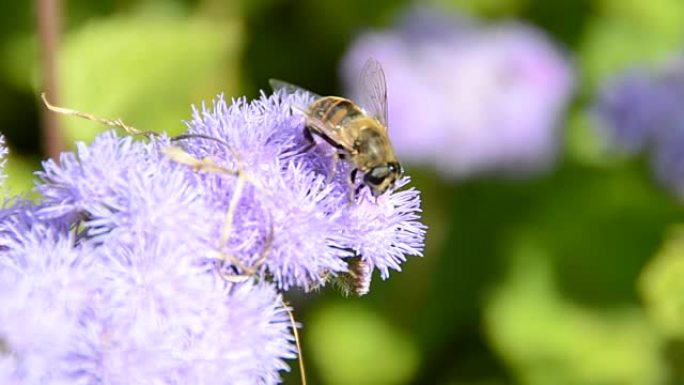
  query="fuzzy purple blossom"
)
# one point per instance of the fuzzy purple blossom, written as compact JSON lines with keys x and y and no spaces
{"x":75,"y":311}
{"x":316,"y":229}
{"x":642,"y":109}
{"x":138,"y":266}
{"x":466,"y":98}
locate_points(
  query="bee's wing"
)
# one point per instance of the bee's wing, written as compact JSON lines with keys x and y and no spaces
{"x":290,"y":88}
{"x":301,"y":105}
{"x":373,"y":88}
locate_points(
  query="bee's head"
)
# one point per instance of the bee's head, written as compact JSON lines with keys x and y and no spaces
{"x":382,"y":177}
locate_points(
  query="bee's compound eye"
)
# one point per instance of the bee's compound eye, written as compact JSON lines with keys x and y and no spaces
{"x":377,"y":175}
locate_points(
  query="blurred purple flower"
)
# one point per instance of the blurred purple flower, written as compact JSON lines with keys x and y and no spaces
{"x":642,"y":109}
{"x":631,"y":107}
{"x":112,"y":276}
{"x":668,"y":157}
{"x":467,"y":98}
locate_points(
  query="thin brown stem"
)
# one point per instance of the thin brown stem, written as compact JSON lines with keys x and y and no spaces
{"x":118,"y":123}
{"x":300,"y":356}
{"x":48,"y":33}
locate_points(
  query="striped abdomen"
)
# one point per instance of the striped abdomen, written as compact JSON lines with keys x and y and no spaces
{"x":335,"y":110}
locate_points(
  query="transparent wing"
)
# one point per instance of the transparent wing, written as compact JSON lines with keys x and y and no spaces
{"x":373,"y":88}
{"x":302,"y":97}
{"x":290,"y":88}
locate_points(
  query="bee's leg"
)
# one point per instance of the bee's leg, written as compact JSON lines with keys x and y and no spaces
{"x":307,"y":148}
{"x":353,"y":192}
{"x":333,"y":166}
{"x":308,"y":135}
{"x":310,"y":139}
{"x":358,"y":188}
{"x":310,"y":144}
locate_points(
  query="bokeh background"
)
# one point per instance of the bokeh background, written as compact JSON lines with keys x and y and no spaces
{"x":547,"y":139}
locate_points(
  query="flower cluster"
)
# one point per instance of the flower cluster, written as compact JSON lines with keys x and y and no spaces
{"x":467,"y":98}
{"x":161,"y":261}
{"x":643,"y":109}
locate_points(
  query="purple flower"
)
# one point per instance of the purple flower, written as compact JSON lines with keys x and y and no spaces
{"x":668,"y":156}
{"x":141,"y":266}
{"x":643,"y":109}
{"x":45,"y":284}
{"x":468,"y":98}
{"x":386,"y":231}
{"x":631,"y":107}
{"x":96,"y":176}
{"x":314,"y":228}
{"x":120,"y":313}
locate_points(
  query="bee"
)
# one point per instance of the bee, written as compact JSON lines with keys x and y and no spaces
{"x":358,"y":133}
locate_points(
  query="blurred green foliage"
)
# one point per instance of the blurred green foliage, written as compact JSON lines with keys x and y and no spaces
{"x":625,"y":33}
{"x":147,"y":68}
{"x":547,"y":339}
{"x":565,"y":279}
{"x":345,"y":338}
{"x":662,"y":285}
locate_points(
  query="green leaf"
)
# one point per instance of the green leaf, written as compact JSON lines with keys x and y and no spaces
{"x":145,"y":70}
{"x":547,"y":339}
{"x":627,"y":32}
{"x":485,"y":7}
{"x":662,"y":285}
{"x":19,"y":171}
{"x":352,"y":345}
